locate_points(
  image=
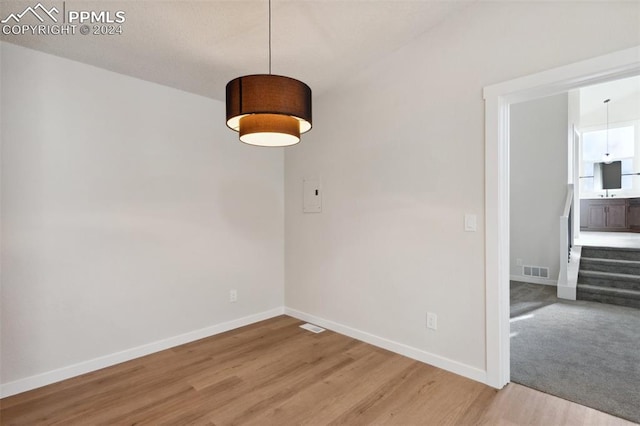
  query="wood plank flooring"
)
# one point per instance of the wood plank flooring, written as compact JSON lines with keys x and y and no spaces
{"x":275,"y":373}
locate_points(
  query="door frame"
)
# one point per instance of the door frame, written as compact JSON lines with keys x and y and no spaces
{"x":498,"y":97}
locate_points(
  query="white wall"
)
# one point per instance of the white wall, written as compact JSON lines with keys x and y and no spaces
{"x":624,"y":104}
{"x":129,"y":211}
{"x":538,"y":182}
{"x":400,"y":149}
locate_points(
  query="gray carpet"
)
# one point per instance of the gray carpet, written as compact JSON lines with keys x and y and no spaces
{"x":586,"y":352}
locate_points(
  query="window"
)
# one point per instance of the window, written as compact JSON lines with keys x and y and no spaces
{"x":594,"y":146}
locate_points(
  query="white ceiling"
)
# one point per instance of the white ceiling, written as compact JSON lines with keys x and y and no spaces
{"x":624,"y":104}
{"x":198,"y":46}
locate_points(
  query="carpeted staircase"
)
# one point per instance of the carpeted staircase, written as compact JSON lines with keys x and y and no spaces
{"x":610,"y":275}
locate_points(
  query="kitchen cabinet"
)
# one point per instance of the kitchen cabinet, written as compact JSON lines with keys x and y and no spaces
{"x":608,"y":214}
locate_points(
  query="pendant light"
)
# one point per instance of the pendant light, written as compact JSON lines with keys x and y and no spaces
{"x":607,"y":159}
{"x":268,"y":110}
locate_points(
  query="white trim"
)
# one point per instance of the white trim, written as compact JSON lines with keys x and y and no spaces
{"x":569,"y":290}
{"x":496,"y":247}
{"x":567,"y":293}
{"x":498,"y":97}
{"x":393,"y":346}
{"x":33,"y":382}
{"x":533,"y":280}
{"x":601,"y":69}
{"x":577,"y":153}
{"x":563,"y":240}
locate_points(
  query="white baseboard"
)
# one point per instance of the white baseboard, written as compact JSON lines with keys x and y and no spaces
{"x":568,"y":293}
{"x":399,"y":348}
{"x":33,"y":382}
{"x":533,"y":280}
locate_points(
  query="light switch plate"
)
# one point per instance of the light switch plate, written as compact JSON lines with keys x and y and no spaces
{"x":470,"y":222}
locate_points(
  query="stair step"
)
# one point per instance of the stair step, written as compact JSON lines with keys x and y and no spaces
{"x":609,"y":280}
{"x":610,"y":275}
{"x":619,"y":253}
{"x":631,"y":267}
{"x":613,"y":296}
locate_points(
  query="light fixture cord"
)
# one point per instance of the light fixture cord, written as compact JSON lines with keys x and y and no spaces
{"x":269,"y":36}
{"x":606,"y":102}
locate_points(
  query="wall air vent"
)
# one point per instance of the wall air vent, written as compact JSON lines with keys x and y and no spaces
{"x":312,"y":328}
{"x":535,"y":271}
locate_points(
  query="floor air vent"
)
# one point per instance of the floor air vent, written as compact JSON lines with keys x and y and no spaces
{"x":312,"y":328}
{"x":535,"y":271}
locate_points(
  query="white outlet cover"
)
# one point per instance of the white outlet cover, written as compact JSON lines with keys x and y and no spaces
{"x":432,"y":321}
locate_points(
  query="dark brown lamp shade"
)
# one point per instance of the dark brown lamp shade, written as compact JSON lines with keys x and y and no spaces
{"x":268,"y":110}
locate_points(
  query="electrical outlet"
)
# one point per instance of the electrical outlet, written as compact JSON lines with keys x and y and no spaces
{"x":432,"y":321}
{"x":233,"y":296}
{"x":518,"y":262}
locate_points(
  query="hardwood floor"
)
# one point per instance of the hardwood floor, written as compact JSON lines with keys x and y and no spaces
{"x":275,"y":373}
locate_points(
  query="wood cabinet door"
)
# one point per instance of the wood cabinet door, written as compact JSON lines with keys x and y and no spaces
{"x":597,"y":216}
{"x":616,"y":216}
{"x":633,"y":216}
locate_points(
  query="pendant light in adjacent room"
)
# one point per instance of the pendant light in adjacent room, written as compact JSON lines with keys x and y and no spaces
{"x":607,"y":159}
{"x":268,"y":110}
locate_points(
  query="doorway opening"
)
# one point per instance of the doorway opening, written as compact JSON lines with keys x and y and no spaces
{"x":498,"y":99}
{"x":559,"y":346}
